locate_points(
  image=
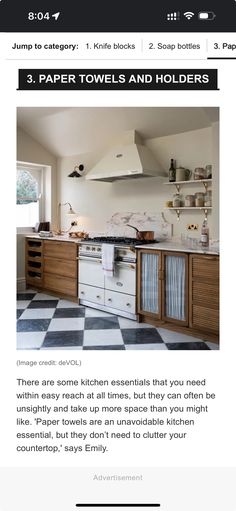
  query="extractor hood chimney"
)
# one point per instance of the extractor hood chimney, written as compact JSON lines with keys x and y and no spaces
{"x":129,"y":160}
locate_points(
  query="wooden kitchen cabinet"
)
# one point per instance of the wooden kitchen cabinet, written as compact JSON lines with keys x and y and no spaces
{"x":204,"y":292}
{"x":163,"y":286}
{"x":60,"y":267}
{"x":52,"y":266}
{"x":180,"y":291}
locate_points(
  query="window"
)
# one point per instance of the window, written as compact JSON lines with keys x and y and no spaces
{"x":29,"y":186}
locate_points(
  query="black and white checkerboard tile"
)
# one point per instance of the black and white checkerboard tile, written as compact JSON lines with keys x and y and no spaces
{"x":47,"y":322}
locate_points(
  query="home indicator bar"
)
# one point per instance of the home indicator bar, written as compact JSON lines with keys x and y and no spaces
{"x":119,"y":505}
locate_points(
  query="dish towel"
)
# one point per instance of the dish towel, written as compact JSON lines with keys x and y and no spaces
{"x":108,"y":253}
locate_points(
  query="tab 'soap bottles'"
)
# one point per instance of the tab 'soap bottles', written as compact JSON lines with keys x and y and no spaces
{"x":171,"y":171}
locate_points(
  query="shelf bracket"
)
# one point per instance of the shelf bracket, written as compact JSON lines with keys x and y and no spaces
{"x":206,"y":213}
{"x":177,"y":213}
{"x":177,"y":187}
{"x":205,"y":185}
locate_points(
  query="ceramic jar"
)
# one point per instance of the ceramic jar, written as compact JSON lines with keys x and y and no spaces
{"x":199,"y":199}
{"x":189,"y":201}
{"x":199,"y":173}
{"x":177,"y":201}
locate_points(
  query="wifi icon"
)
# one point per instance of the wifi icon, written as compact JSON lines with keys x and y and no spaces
{"x":188,"y":15}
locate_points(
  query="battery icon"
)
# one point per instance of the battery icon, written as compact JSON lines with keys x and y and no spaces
{"x":206,"y":15}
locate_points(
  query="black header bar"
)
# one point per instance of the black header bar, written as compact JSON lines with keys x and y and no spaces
{"x":117,"y":79}
{"x":117,"y":16}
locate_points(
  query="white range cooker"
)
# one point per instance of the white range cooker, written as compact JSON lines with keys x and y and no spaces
{"x":116,"y":294}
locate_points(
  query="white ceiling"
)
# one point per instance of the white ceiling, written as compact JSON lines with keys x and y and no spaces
{"x":70,"y":131}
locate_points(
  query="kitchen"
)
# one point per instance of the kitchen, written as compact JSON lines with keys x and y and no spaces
{"x":162,"y":293}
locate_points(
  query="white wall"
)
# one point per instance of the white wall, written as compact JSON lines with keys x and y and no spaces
{"x":28,"y":150}
{"x":95,"y":202}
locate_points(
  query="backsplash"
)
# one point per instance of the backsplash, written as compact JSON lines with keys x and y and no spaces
{"x":143,"y":221}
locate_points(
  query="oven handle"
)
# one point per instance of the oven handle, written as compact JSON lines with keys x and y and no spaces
{"x":126,"y":265}
{"x":87,"y":258}
{"x":99,"y":261}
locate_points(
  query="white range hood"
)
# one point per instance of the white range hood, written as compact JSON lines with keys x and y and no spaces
{"x":130,"y":160}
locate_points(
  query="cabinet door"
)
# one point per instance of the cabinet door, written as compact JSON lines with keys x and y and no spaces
{"x":149,"y":283}
{"x":175,"y":287}
{"x":204,"y":292}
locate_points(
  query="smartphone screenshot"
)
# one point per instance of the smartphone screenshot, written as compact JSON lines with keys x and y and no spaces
{"x":117,"y":366}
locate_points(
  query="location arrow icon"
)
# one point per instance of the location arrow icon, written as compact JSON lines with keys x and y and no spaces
{"x":56,"y":15}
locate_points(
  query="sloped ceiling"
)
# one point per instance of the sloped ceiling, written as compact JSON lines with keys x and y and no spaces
{"x":70,"y":131}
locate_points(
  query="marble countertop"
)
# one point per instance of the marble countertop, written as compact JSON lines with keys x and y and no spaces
{"x":62,"y":237}
{"x":176,"y":246}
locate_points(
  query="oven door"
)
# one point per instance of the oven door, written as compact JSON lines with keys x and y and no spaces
{"x":91,"y":272}
{"x":123,"y":280}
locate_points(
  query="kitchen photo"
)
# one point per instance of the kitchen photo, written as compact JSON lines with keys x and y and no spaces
{"x":117,"y":228}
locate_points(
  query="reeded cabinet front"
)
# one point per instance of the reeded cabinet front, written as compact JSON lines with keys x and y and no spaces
{"x":149,"y":283}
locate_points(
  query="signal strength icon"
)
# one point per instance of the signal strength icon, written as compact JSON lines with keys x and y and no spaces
{"x":173,"y":16}
{"x":189,"y":15}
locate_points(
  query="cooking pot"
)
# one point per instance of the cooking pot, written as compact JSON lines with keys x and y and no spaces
{"x":142,"y":235}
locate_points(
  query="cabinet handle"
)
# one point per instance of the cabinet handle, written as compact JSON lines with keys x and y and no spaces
{"x":128,"y":304}
{"x":98,"y":296}
{"x":109,"y":300}
{"x":82,"y":292}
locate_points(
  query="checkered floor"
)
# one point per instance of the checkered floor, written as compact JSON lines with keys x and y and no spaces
{"x":46,"y":322}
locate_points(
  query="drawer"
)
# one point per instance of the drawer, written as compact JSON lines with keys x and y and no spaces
{"x":124,"y":279}
{"x":64,"y":285}
{"x":120,"y":301}
{"x":91,"y":273}
{"x":205,"y":319}
{"x":91,"y":294}
{"x":205,"y":267}
{"x":60,"y":249}
{"x":60,"y":267}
